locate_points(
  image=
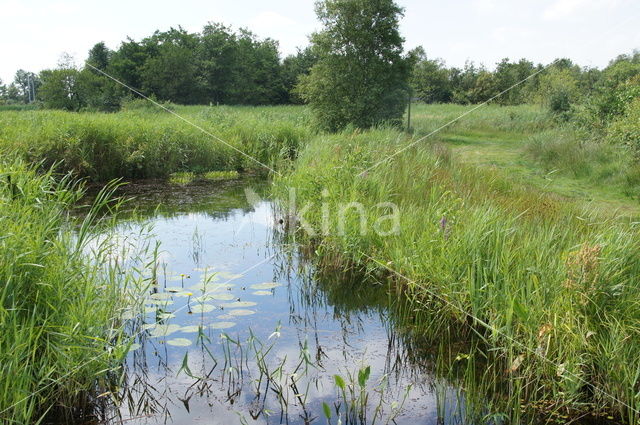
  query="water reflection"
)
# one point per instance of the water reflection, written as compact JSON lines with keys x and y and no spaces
{"x":240,"y":330}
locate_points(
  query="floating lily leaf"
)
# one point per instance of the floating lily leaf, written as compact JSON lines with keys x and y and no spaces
{"x":159,"y":302}
{"x":223,"y":296}
{"x":226,"y":317}
{"x":266,"y":285}
{"x":164,"y":330}
{"x":222,"y":325}
{"x":239,"y":304}
{"x":190,"y":329}
{"x":240,"y":312}
{"x":174,"y":289}
{"x":202,"y":308}
{"x":135,"y":346}
{"x":211,"y":287}
{"x":184,"y":294}
{"x":228,"y":276}
{"x":166,"y":315}
{"x":262,"y":292}
{"x":180,"y":342}
{"x":160,"y":296}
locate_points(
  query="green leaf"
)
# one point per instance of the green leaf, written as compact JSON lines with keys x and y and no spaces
{"x":363,"y":375}
{"x":339,"y":382}
{"x":327,"y":410}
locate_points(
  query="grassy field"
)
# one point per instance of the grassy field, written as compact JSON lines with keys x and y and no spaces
{"x":59,"y":312}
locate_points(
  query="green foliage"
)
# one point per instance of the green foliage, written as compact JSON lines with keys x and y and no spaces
{"x":60,"y":332}
{"x":625,"y":130}
{"x":360,"y":77}
{"x":61,"y":89}
{"x":543,"y":273}
{"x":144,"y":141}
{"x":430,"y":79}
{"x":558,"y":90}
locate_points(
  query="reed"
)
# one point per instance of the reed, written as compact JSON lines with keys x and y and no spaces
{"x":60,"y":328}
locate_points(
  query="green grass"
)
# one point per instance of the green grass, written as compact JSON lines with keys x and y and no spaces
{"x":143,"y":142}
{"x":516,"y":269}
{"x":60,"y":332}
{"x":525,"y":141}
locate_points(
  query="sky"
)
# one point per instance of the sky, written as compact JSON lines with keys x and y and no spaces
{"x":34,"y":33}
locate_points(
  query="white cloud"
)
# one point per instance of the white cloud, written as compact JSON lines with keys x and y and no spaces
{"x":560,"y":9}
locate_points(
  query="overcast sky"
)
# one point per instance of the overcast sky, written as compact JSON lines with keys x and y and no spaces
{"x":34,"y":33}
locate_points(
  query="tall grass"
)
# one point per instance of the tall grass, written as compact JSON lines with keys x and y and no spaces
{"x":143,"y":142}
{"x":549,"y":289}
{"x":59,"y":307}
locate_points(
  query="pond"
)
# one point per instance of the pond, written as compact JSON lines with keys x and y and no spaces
{"x":239,"y":328}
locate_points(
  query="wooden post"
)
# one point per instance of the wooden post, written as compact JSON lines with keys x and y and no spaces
{"x":409,"y":115}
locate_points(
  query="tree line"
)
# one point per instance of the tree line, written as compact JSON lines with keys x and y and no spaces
{"x":355,"y":71}
{"x":215,"y":66}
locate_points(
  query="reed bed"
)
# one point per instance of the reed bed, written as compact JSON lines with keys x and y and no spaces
{"x":60,"y":298}
{"x":547,"y":288}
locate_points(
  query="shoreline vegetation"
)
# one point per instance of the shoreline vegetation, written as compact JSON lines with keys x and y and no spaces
{"x":62,"y":296}
{"x":548,"y":269}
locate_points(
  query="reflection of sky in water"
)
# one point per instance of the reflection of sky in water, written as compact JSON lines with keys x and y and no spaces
{"x":238,"y":244}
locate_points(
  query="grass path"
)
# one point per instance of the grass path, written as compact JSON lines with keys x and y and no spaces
{"x":506,"y":151}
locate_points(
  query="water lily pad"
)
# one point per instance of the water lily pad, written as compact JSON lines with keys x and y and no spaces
{"x":211,"y":287}
{"x":166,"y":315}
{"x":190,"y":329}
{"x":159,"y":302}
{"x":228,"y":276}
{"x":239,"y":304}
{"x":135,"y":346}
{"x":202,"y":308}
{"x":183,"y":294}
{"x":222,"y":296}
{"x":262,"y":292}
{"x":222,"y":325}
{"x":160,"y":296}
{"x":266,"y":285}
{"x":174,"y":289}
{"x":241,"y":312}
{"x":180,"y":342}
{"x":164,"y":330}
{"x":226,"y":317}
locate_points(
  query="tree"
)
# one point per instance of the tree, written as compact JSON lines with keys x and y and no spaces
{"x":293,"y":67}
{"x":430,"y":78}
{"x":3,"y":91}
{"x":60,"y":89}
{"x":361,"y":76}
{"x":26,"y":84}
{"x":170,"y":71}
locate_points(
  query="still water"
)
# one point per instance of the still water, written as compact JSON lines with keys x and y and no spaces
{"x":239,"y":329}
